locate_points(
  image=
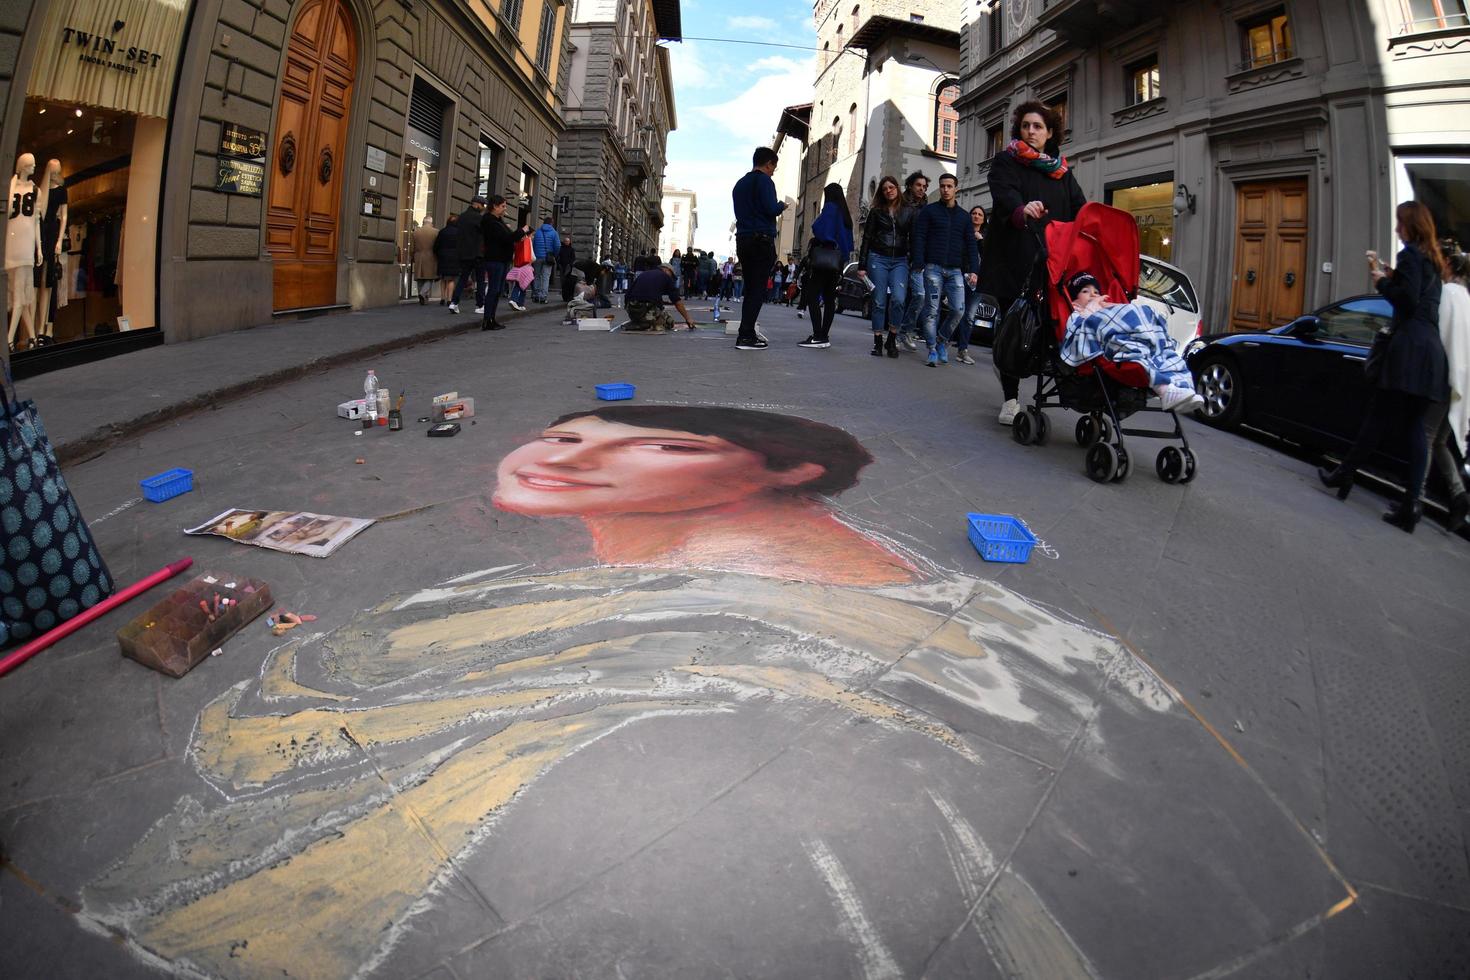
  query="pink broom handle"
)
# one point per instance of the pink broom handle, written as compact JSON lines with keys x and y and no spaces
{"x":18,"y":657}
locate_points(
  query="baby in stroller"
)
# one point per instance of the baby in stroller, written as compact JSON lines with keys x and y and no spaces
{"x":1123,"y":332}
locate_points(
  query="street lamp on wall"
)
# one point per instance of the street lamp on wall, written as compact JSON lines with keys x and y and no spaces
{"x":1184,"y":200}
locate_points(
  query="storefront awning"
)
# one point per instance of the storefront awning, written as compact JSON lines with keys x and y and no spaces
{"x":116,"y":54}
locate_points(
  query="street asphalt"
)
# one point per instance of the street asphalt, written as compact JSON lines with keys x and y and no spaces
{"x":1214,"y":730}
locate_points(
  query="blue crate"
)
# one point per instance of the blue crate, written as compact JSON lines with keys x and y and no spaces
{"x":616,"y":392}
{"x":166,"y":486}
{"x":1000,"y":537}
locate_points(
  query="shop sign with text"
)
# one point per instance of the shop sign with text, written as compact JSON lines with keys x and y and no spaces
{"x":236,"y":176}
{"x":115,"y":54}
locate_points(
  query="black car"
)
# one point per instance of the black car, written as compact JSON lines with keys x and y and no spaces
{"x":855,"y":295}
{"x":1303,"y":381}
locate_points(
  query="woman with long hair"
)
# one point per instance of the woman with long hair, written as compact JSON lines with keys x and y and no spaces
{"x":831,"y":232}
{"x":883,"y":262}
{"x":1030,"y":180}
{"x":1408,"y":371}
{"x":972,"y":293}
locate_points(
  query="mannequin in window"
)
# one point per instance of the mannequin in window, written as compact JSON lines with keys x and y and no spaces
{"x":53,"y":220}
{"x":22,"y":250}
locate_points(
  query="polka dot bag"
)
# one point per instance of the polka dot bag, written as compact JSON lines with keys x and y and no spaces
{"x":50,"y":568}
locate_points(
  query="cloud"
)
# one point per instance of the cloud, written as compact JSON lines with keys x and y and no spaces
{"x":751,"y":116}
{"x":687,"y":65}
{"x":751,"y":23}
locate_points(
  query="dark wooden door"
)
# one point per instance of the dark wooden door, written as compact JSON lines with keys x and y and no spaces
{"x":303,"y":221}
{"x":1270,"y":254}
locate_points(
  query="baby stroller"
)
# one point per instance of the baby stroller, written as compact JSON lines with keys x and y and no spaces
{"x":1102,"y":241}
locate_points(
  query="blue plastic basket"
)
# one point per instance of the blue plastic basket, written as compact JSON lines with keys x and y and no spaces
{"x":168,"y":485}
{"x":616,"y":392}
{"x":1000,"y":537}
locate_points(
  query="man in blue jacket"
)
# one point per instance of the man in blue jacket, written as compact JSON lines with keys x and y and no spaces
{"x":545,"y":246}
{"x":756,"y":209}
{"x":944,"y":247}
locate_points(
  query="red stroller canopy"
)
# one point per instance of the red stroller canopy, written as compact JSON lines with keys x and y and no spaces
{"x":1102,"y":241}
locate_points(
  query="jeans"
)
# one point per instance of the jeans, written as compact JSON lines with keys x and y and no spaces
{"x":821,"y":300}
{"x":1441,"y":437}
{"x":757,"y":255}
{"x":739,"y":288}
{"x":543,"y":279}
{"x":915,"y":305}
{"x":494,"y":282}
{"x":890,"y":278}
{"x":473,"y":271}
{"x":951,"y":282}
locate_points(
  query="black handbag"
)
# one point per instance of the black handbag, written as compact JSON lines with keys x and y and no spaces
{"x":825,"y":258}
{"x":1018,"y":349}
{"x":1377,"y":354}
{"x":50,"y":568}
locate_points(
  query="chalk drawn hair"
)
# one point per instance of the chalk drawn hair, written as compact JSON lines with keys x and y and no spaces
{"x":786,"y":441}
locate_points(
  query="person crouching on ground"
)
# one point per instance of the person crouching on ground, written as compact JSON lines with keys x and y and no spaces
{"x":584,"y":303}
{"x":646,"y":313}
{"x":1124,"y":332}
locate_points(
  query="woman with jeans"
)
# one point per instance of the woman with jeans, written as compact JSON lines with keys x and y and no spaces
{"x":1411,"y":373}
{"x":1029,"y":180}
{"x":831,"y":230}
{"x":972,"y":293}
{"x":883,"y":262}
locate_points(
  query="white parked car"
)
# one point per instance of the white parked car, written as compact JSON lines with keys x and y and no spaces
{"x":1167,"y":289}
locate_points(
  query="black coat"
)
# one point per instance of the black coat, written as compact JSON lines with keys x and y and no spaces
{"x":500,"y":241}
{"x":469,"y":235}
{"x":1010,"y":252}
{"x":1415,"y":362}
{"x":446,"y":250}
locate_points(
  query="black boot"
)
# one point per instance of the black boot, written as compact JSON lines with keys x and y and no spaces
{"x":1406,"y":515}
{"x":1339,"y":479}
{"x":891,"y":345}
{"x":877,"y":345}
{"x":1459,"y":510}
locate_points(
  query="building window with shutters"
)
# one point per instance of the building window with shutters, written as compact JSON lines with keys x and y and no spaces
{"x":511,"y":11}
{"x":1266,"y":39}
{"x":855,"y":23}
{"x":1434,"y":15}
{"x":836,"y":140}
{"x":852,"y":128}
{"x":548,"y":34}
{"x":995,"y":27}
{"x":946,"y":119}
{"x":1142,"y":78}
{"x":995,"y":140}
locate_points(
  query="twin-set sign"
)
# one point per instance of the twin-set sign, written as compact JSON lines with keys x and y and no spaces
{"x":98,"y":49}
{"x":111,"y":54}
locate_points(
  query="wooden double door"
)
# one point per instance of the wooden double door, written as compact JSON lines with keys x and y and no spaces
{"x":1270,"y":254}
{"x":303,"y":218}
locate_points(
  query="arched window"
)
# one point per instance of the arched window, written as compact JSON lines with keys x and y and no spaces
{"x":946,"y":118}
{"x":836,"y":139}
{"x":852,"y":128}
{"x":855,"y":23}
{"x":826,"y":55}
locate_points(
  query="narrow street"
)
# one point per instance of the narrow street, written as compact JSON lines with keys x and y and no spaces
{"x":1213,"y":730}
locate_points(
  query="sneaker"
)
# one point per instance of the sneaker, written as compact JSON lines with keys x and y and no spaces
{"x":964,"y":357}
{"x":479,"y":311}
{"x":933,"y":359}
{"x":1008,"y":411}
{"x":756,"y":344}
{"x":813,"y":342}
{"x":800,"y":315}
{"x":453,"y":307}
{"x":761,"y":333}
{"x":943,"y":352}
{"x":516,"y":306}
{"x":908,"y":343}
{"x":1178,"y":398}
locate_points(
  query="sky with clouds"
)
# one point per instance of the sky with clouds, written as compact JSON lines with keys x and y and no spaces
{"x":729,"y":97}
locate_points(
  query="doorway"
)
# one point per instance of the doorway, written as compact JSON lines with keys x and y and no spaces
{"x":1270,"y":254}
{"x":303,"y":220}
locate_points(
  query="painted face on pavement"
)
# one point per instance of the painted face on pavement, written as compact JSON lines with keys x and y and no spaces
{"x":587,"y":467}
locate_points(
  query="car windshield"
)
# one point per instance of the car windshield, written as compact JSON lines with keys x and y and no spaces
{"x":1166,"y":286}
{"x":1355,"y":321}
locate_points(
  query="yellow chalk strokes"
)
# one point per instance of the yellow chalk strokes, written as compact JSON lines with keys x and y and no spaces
{"x":321,"y":912}
{"x":278,"y":680}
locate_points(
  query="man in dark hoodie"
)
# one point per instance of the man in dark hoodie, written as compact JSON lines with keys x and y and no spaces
{"x":944,"y":247}
{"x":471,"y":258}
{"x":499,"y":244}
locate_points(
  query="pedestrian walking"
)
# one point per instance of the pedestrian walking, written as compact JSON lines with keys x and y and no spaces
{"x":676,"y":262}
{"x":498,"y":245}
{"x":1029,"y":180}
{"x":777,"y":283}
{"x":566,"y":259}
{"x":727,"y":279}
{"x":1407,"y":366}
{"x":1448,"y":423}
{"x":915,"y":199}
{"x":545,"y":248}
{"x":446,"y":254}
{"x":827,"y":254}
{"x":425,"y":266}
{"x":756,"y":210}
{"x":471,"y":255}
{"x":945,"y":246}
{"x":883,"y":263}
{"x":689,"y":269}
{"x":972,"y":291}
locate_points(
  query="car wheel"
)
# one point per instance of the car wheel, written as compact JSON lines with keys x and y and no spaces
{"x":1218,"y":383}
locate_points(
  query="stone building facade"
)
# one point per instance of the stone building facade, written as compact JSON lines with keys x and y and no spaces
{"x":790,"y":146}
{"x":620,"y":109}
{"x":299,"y":144}
{"x":1260,"y":145}
{"x":882,"y":67}
{"x":681,"y":221}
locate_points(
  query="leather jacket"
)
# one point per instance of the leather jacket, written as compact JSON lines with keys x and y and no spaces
{"x":887,"y":234}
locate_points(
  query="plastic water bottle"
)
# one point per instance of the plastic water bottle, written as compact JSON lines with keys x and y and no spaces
{"x":370,"y":394}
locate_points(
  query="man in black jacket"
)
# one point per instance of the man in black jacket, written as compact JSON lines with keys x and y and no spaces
{"x":499,"y":244}
{"x":471,"y":258}
{"x":944,"y":247}
{"x":565,"y":259}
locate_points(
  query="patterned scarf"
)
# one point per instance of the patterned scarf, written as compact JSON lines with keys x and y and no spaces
{"x":1054,"y":167}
